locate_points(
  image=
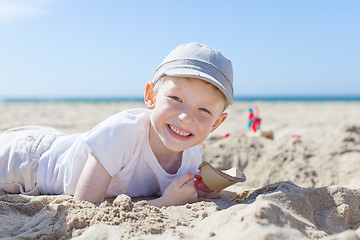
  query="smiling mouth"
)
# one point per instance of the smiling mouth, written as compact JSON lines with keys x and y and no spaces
{"x":179,"y":132}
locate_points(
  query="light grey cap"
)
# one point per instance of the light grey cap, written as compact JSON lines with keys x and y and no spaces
{"x":199,"y":61}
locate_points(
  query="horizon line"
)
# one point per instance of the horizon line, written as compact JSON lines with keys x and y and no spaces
{"x":282,"y":97}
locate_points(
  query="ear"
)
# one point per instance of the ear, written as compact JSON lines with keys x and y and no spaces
{"x":150,"y":95}
{"x":219,"y":121}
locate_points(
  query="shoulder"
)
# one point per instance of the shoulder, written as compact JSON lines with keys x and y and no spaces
{"x":131,"y":116}
{"x":115,"y":140}
{"x":123,"y":124}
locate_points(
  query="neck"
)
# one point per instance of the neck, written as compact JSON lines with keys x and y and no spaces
{"x":170,"y":161}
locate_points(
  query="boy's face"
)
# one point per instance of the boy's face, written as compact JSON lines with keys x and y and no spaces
{"x":185,"y":111}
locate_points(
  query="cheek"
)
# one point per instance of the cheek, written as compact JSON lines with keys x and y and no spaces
{"x":162,"y":110}
{"x":205,"y":123}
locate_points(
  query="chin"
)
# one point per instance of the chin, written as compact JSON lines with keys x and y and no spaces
{"x":175,"y":149}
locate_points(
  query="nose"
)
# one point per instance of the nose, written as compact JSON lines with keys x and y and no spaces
{"x":185,"y":117}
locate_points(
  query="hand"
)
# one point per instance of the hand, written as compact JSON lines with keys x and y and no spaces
{"x":203,"y":190}
{"x":179,"y":192}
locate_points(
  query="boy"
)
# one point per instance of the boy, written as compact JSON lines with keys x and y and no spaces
{"x":138,"y":152}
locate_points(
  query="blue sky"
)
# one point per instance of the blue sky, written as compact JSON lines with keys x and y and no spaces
{"x":108,"y":48}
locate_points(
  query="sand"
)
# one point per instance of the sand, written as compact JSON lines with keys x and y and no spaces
{"x":303,"y":184}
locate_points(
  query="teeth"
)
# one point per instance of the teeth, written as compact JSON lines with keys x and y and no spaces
{"x":178,"y":132}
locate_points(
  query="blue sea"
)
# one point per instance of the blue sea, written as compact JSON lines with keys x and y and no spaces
{"x":355,"y":98}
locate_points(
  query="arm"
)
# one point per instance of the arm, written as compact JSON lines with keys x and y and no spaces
{"x":93,"y":182}
{"x":179,"y":192}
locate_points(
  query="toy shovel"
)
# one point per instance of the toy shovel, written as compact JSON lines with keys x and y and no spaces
{"x":217,"y":179}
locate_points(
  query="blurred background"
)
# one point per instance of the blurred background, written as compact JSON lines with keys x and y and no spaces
{"x":94,"y":49}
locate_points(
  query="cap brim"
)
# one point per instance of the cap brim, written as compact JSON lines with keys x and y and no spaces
{"x":194,"y":73}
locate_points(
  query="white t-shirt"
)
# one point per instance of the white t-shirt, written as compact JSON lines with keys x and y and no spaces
{"x":121,"y":144}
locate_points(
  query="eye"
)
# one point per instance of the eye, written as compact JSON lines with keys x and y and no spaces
{"x":175,"y":98}
{"x":205,"y":110}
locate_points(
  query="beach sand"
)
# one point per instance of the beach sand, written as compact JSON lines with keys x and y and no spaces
{"x":303,"y":184}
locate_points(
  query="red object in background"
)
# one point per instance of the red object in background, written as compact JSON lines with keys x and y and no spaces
{"x":226,"y":135}
{"x":256,"y":124}
{"x":254,"y":119}
{"x":251,"y":114}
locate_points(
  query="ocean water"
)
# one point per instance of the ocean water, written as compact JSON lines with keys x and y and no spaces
{"x":300,"y":98}
{"x":140,"y":99}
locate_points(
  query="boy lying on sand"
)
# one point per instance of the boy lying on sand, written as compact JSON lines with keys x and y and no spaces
{"x":138,"y":152}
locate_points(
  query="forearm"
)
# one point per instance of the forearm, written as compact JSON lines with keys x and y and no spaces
{"x":93,"y":182}
{"x":89,"y":194}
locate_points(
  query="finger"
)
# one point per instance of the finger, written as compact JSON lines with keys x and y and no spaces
{"x":189,"y":184}
{"x":201,"y":186}
{"x":186,"y":177}
{"x":214,"y":194}
{"x":190,"y":188}
{"x":211,"y":195}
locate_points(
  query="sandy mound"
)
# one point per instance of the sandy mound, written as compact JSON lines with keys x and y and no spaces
{"x":303,"y":184}
{"x":281,"y":210}
{"x":310,"y":162}
{"x":277,"y":211}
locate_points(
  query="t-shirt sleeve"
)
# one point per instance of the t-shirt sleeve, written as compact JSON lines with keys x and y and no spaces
{"x":113,"y":141}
